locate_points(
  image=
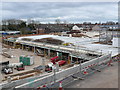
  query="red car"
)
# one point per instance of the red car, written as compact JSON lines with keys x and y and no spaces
{"x":61,"y":62}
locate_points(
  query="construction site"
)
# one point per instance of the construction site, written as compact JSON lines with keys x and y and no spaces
{"x":54,"y":60}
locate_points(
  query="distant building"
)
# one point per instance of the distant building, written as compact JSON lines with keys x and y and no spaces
{"x":113,"y":27}
{"x":40,"y":31}
{"x":49,"y":28}
{"x":75,"y":27}
{"x":115,"y":41}
{"x":104,"y":27}
{"x":9,"y":32}
{"x":96,"y":28}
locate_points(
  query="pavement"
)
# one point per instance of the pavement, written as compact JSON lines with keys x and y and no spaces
{"x":107,"y":78}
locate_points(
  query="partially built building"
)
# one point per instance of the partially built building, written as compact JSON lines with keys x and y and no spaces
{"x":50,"y":46}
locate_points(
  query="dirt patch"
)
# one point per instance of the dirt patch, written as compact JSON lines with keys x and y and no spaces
{"x":108,"y":43}
{"x":96,"y":35}
{"x":49,"y":40}
{"x":79,"y":35}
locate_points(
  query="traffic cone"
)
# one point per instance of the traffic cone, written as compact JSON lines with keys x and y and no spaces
{"x":85,"y":72}
{"x":44,"y":86}
{"x":109,"y":63}
{"x":38,"y":88}
{"x":89,"y":66}
{"x":60,"y":86}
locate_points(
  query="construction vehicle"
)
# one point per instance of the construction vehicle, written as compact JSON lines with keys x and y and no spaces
{"x":20,"y":67}
{"x":7,"y":70}
{"x":54,"y":59}
{"x":4,"y":63}
{"x":61,"y":62}
{"x":48,"y":68}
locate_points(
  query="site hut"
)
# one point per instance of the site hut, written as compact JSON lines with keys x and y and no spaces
{"x":53,"y":45}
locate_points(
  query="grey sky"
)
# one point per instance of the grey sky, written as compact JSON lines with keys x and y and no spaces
{"x":69,"y":11}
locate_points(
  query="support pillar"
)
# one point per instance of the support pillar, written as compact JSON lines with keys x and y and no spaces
{"x":22,"y":47}
{"x":44,"y":52}
{"x":49,"y":53}
{"x":43,"y":63}
{"x":14,"y":45}
{"x":34,"y":50}
{"x":57,"y":53}
{"x":71,"y":59}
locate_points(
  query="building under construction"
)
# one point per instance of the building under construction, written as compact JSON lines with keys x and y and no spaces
{"x":49,"y":46}
{"x":66,"y":48}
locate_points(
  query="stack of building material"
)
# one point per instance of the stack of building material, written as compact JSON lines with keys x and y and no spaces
{"x":6,"y":55}
{"x":49,"y":41}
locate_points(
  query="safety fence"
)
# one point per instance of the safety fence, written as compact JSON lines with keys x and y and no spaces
{"x":65,"y":73}
{"x":21,"y":81}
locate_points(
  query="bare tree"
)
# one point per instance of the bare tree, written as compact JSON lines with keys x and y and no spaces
{"x":57,"y":21}
{"x":65,"y":22}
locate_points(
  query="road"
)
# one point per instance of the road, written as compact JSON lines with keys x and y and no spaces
{"x":107,"y":78}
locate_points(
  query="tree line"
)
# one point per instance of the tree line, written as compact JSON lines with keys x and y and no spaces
{"x":17,"y":25}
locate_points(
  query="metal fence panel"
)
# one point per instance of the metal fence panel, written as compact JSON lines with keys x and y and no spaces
{"x":65,"y":73}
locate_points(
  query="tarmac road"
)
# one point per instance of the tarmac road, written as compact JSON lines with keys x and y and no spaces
{"x":107,"y":78}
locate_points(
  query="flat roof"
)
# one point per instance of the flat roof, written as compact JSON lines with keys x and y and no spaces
{"x":85,"y":43}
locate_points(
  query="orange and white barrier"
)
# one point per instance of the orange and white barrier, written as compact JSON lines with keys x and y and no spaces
{"x":38,"y":88}
{"x":109,"y":63}
{"x":85,"y":72}
{"x":60,"y":86}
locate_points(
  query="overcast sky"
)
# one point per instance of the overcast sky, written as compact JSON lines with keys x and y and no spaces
{"x":69,"y":11}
